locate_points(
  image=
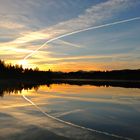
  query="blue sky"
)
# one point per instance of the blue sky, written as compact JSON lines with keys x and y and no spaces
{"x":26,"y":25}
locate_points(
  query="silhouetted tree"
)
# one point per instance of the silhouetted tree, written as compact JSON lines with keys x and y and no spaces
{"x":17,"y":72}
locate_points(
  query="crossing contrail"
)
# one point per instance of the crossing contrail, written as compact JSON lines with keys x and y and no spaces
{"x":78,"y":31}
{"x":74,"y":125}
{"x":64,"y":35}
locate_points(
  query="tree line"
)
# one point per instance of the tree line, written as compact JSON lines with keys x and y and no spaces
{"x":18,"y":72}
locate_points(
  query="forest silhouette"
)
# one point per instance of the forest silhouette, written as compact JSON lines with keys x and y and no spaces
{"x":18,"y":72}
{"x":15,"y":78}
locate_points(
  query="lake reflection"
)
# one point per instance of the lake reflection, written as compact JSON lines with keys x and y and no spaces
{"x":113,"y":110}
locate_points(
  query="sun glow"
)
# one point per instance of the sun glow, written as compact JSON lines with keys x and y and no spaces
{"x":24,"y":63}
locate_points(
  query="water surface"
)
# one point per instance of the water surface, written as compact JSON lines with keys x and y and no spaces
{"x":109,"y":110}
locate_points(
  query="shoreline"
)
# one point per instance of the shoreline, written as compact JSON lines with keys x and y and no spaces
{"x":96,"y":82}
{"x":17,"y":85}
{"x":69,"y":79}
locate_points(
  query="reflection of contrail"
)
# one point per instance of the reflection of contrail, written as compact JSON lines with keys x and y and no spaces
{"x":68,"y":112}
{"x":74,"y":125}
{"x":82,"y":30}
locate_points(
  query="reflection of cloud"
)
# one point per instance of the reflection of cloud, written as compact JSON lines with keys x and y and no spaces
{"x":68,"y":112}
{"x":4,"y":115}
{"x":20,"y":105}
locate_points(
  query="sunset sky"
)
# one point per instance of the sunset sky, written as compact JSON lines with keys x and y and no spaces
{"x":25,"y":25}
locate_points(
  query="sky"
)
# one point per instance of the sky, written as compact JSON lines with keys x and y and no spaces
{"x":25,"y":25}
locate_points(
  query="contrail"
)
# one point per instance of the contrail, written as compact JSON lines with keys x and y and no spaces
{"x":74,"y":125}
{"x":70,"y":44}
{"x":78,"y":31}
{"x":64,"y":35}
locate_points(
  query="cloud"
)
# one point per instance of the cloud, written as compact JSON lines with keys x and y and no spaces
{"x":90,"y":58}
{"x":92,"y":16}
{"x":10,"y":25}
{"x":74,"y":66}
{"x":28,"y":32}
{"x":67,"y":43}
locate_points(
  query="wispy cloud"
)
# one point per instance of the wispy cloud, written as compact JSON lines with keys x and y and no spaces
{"x":67,"y":43}
{"x":92,"y":16}
{"x":23,"y":30}
{"x":10,"y":25}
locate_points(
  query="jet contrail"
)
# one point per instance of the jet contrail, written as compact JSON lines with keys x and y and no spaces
{"x":74,"y":125}
{"x":82,"y":30}
{"x":64,"y":35}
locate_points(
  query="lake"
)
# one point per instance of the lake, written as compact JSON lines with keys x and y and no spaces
{"x":63,"y":111}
